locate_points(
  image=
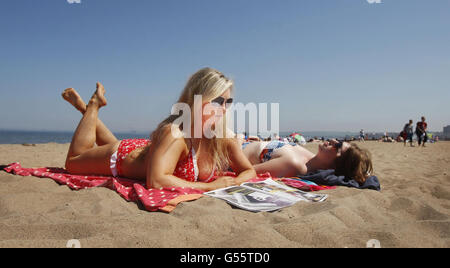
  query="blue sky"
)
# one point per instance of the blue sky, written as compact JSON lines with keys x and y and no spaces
{"x":332,"y":65}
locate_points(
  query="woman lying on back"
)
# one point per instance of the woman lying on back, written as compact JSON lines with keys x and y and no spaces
{"x":283,"y":159}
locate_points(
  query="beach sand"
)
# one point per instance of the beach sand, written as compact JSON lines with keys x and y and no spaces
{"x":412,"y":210}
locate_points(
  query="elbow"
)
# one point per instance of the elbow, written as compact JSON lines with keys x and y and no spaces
{"x":252,"y":173}
{"x":246,"y":176}
{"x":154,"y":182}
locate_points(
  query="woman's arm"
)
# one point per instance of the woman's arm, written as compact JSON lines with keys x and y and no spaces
{"x":163,"y":159}
{"x":279,"y":167}
{"x":239,"y":162}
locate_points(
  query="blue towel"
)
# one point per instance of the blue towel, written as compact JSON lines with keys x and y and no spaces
{"x":327,"y":177}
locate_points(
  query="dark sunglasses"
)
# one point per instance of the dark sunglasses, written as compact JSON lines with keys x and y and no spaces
{"x":222,"y":100}
{"x":338,"y":145}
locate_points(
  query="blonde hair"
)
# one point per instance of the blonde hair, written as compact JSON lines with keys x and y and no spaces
{"x":210,"y":84}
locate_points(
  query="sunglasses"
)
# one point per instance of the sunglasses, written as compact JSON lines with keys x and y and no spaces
{"x":222,"y":100}
{"x":338,"y":145}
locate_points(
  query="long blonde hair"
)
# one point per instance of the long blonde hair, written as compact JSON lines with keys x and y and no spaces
{"x":210,"y":84}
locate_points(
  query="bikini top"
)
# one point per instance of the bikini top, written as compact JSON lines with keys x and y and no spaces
{"x":187,"y":169}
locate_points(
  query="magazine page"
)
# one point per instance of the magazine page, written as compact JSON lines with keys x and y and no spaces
{"x":251,"y":199}
{"x":279,"y":189}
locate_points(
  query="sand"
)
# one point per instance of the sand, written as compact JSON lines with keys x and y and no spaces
{"x":412,"y":210}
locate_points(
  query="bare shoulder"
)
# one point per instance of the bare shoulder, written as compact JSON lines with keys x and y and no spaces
{"x":302,"y":169}
{"x":171,"y":136}
{"x":231,"y":143}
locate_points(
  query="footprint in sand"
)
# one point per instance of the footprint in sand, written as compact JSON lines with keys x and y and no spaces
{"x":65,"y":231}
{"x":440,"y":193}
{"x":3,"y":210}
{"x":427,"y":213}
{"x":401,"y":204}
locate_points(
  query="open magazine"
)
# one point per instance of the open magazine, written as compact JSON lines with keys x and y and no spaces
{"x":267,"y":195}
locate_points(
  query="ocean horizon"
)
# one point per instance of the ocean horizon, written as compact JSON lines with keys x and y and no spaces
{"x":40,"y":137}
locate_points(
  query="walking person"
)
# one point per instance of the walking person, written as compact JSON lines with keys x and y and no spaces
{"x":421,"y":131}
{"x":409,"y":132}
{"x":362,"y":135}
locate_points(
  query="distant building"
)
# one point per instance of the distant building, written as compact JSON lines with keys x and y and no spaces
{"x":447,"y":132}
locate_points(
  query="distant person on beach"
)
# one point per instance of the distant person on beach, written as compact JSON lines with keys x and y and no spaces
{"x":167,"y":160}
{"x":283,"y":159}
{"x":362,"y":136}
{"x":387,"y":139}
{"x":408,"y":131}
{"x":421,"y":131}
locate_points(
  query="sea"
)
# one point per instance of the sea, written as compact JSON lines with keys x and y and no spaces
{"x":38,"y":137}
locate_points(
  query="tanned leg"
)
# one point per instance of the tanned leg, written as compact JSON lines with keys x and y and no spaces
{"x":103,"y":134}
{"x":83,"y":157}
{"x":85,"y":134}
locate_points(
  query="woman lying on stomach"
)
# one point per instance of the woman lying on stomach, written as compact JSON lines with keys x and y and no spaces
{"x":169,"y":159}
{"x":284,"y":159}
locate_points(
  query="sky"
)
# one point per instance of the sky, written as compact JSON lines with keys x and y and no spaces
{"x":332,"y":65}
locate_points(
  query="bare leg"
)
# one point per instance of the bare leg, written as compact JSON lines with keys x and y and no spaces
{"x":84,"y":137}
{"x":83,"y":157}
{"x":103,"y":134}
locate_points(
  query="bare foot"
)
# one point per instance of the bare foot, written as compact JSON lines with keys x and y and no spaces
{"x":99,"y":96}
{"x":72,"y":96}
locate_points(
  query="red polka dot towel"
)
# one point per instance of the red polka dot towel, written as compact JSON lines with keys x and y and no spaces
{"x":164,"y":199}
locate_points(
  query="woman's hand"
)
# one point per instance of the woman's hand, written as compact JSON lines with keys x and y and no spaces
{"x":241,"y":180}
{"x":223,"y":182}
{"x":239,"y":163}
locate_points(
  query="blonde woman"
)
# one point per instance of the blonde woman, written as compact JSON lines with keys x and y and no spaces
{"x":169,"y":159}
